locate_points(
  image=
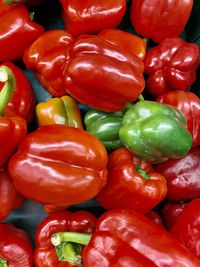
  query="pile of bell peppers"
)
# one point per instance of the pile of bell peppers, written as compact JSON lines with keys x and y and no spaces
{"x":120,"y":127}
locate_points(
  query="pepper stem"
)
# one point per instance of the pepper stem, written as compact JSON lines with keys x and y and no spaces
{"x":3,"y":263}
{"x":142,"y":172}
{"x":68,"y":246}
{"x":15,"y":1}
{"x":6,"y":76}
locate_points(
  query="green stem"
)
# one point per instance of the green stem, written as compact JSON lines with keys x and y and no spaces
{"x":14,"y":1}
{"x":3,"y":263}
{"x":142,"y":172}
{"x":78,"y":238}
{"x":6,"y":76}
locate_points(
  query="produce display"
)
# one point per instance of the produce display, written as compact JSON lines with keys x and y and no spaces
{"x":100,"y":133}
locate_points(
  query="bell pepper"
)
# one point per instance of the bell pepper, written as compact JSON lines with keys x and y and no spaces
{"x":10,"y":199}
{"x":171,"y":65}
{"x":155,"y":132}
{"x":17,"y":31}
{"x":22,"y":102}
{"x":125,"y":40}
{"x":91,"y":16}
{"x":182,"y":176}
{"x":12,"y":129}
{"x":124,"y":237}
{"x":187,"y":227}
{"x":154,"y":217}
{"x":15,"y":247}
{"x":70,"y":230}
{"x":29,"y":3}
{"x":67,"y":165}
{"x":46,"y":58}
{"x":159,"y":20}
{"x":171,"y":211}
{"x":131,"y":183}
{"x":62,"y":110}
{"x":189,"y":104}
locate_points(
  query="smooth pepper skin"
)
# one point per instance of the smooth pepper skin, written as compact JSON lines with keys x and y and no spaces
{"x":15,"y":246}
{"x":182,"y":176}
{"x":187,"y":227}
{"x":171,"y":65}
{"x":131,"y":183}
{"x":62,"y":221}
{"x":91,"y":16}
{"x":158,"y":20}
{"x":67,"y":165}
{"x":155,"y":132}
{"x":63,"y":110}
{"x":10,"y":199}
{"x":17,"y":31}
{"x":22,"y":102}
{"x":189,"y":104}
{"x":122,"y":231}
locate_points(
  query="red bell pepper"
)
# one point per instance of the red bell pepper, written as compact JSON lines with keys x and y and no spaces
{"x":91,"y":16}
{"x":131,"y":183}
{"x":125,"y":237}
{"x":12,"y":129}
{"x":171,"y":211}
{"x":15,"y":247}
{"x":17,"y":31}
{"x":171,"y":65}
{"x":187,"y":227}
{"x":159,"y":20}
{"x":23,"y":101}
{"x":68,"y":229}
{"x":189,"y":104}
{"x":125,"y":40}
{"x":67,"y":165}
{"x":46,"y":58}
{"x":29,"y":3}
{"x":182,"y":176}
{"x":154,"y":217}
{"x":10,"y":199}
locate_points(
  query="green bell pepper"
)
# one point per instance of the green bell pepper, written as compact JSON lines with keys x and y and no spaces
{"x":155,"y":132}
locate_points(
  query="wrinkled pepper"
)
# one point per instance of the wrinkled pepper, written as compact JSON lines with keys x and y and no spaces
{"x":10,"y":199}
{"x":63,"y":110}
{"x":131,"y":183}
{"x":159,"y":20}
{"x":68,"y":231}
{"x":189,"y":104}
{"x":171,"y":65}
{"x":91,"y":16}
{"x":124,"y":237}
{"x":182,"y":176}
{"x":155,"y":132}
{"x":67,"y":165}
{"x":187,"y":227}
{"x":17,"y":31}
{"x":12,"y":129}
{"x":22,"y":102}
{"x":15,"y":247}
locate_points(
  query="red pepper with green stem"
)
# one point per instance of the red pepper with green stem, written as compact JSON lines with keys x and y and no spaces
{"x":17,"y":31}
{"x":12,"y":129}
{"x":69,"y":232}
{"x":15,"y":247}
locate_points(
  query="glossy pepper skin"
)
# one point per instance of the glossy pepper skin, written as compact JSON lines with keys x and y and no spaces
{"x":10,"y":199}
{"x":131,"y":183}
{"x":159,"y":20}
{"x":189,"y":104}
{"x":187,"y":227}
{"x":155,"y":132}
{"x":67,"y":165}
{"x":15,"y":247}
{"x":22,"y":102}
{"x":91,"y":16}
{"x":63,"y":110}
{"x":182,"y":176}
{"x":45,"y":254}
{"x":124,"y":235}
{"x":154,"y":217}
{"x":17,"y":31}
{"x":171,"y":66}
{"x":46,"y":58}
